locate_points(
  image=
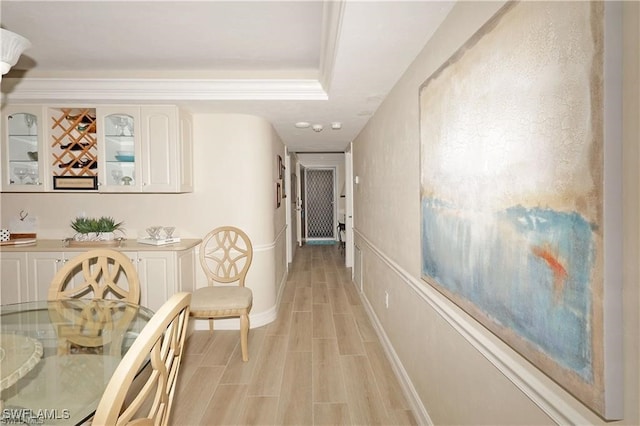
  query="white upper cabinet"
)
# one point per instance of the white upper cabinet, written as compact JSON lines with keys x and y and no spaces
{"x":166,"y":150}
{"x":119,"y":149}
{"x":23,"y":156}
{"x":105,"y":149}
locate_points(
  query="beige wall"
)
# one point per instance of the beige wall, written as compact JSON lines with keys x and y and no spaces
{"x":460,"y":373}
{"x":234,"y":175}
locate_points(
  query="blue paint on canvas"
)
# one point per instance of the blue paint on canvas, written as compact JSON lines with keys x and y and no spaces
{"x":527,"y":269}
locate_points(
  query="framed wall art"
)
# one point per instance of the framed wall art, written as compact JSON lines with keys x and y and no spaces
{"x":280,"y":167}
{"x":520,"y":202}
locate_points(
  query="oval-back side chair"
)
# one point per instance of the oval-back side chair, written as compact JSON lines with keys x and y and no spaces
{"x":225,"y":256}
{"x":148,"y":398}
{"x":95,"y":274}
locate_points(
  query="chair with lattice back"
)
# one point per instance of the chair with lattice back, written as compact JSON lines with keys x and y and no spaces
{"x":147,"y":398}
{"x":95,"y":274}
{"x":98,"y":274}
{"x":225,"y":256}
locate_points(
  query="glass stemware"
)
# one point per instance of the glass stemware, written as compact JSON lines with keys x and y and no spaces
{"x":33,"y":176}
{"x":29,"y":120}
{"x":154,"y":232}
{"x":122,"y":124}
{"x":130,"y":126}
{"x":168,"y":231}
{"x":117,"y":176}
{"x":21,"y":173}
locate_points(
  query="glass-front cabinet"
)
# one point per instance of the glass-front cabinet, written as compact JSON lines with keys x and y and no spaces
{"x":119,"y":149}
{"x":22,"y":149}
{"x":105,"y":148}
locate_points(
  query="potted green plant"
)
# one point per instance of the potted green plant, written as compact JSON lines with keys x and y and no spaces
{"x":95,"y":229}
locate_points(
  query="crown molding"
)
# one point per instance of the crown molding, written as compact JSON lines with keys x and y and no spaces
{"x":332,"y":14}
{"x":46,"y":89}
{"x":91,"y":90}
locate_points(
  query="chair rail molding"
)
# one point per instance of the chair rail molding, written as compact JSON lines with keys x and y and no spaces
{"x":546,"y":398}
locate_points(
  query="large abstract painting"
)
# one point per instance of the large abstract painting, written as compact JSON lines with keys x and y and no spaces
{"x":512,"y":188}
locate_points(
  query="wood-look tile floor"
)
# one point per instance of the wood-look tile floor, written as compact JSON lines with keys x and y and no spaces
{"x":319,"y":363}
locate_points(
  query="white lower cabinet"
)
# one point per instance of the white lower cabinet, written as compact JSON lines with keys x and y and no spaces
{"x":26,"y":275}
{"x":41,"y":268}
{"x":163,"y":274}
{"x":13,"y":273}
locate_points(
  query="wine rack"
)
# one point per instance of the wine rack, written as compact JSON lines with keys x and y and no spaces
{"x":74,"y":142}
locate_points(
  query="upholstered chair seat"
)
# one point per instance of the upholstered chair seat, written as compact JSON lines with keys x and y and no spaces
{"x":221,"y":301}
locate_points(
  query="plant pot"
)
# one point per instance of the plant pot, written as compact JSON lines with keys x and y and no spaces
{"x":95,"y":236}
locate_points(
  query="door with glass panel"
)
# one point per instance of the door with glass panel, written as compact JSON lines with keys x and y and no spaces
{"x":22,"y":149}
{"x":320,"y":205}
{"x":120,"y":149}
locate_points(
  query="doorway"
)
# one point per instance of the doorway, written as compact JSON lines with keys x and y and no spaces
{"x":319,"y":203}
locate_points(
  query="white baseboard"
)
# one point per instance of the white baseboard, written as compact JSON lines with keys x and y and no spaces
{"x":417,"y":407}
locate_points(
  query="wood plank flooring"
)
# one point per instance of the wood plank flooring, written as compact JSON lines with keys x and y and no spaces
{"x":319,"y":363}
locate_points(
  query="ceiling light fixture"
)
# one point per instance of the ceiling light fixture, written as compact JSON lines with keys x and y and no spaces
{"x":336,"y":125}
{"x":12,"y":47}
{"x":317,"y":128}
{"x":302,"y":124}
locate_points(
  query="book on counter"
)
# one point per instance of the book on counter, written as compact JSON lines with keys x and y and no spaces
{"x":159,"y":242}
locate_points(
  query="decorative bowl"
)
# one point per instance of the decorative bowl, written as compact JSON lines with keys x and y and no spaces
{"x":125,"y":158}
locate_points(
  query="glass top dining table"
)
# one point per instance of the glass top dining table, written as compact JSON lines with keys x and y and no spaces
{"x":56,"y":357}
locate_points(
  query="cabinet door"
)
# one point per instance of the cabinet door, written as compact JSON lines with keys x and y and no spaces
{"x":22,"y":155}
{"x":13,"y":278}
{"x":186,"y":270}
{"x":160,"y":153}
{"x":42,"y":266}
{"x":119,"y":149}
{"x":157,"y":272}
{"x":186,"y":153}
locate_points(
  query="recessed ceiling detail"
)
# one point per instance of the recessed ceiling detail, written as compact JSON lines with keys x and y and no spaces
{"x":320,"y":61}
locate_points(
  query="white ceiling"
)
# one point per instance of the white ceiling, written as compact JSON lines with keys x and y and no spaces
{"x":287,"y":61}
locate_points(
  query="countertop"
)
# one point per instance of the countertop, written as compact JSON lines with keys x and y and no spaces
{"x":126,"y":245}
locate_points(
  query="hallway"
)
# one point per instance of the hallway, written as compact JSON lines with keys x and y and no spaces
{"x":319,"y":363}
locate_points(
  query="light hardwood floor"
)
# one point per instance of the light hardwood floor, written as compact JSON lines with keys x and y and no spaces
{"x":319,"y":363}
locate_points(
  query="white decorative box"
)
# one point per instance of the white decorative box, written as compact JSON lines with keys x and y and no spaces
{"x":159,"y":242}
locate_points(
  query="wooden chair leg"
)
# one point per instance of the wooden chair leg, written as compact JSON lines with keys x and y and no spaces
{"x":211,"y":325}
{"x":244,"y":336}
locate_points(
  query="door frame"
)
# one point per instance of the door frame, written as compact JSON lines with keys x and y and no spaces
{"x":348,"y":207}
{"x":334,"y":203}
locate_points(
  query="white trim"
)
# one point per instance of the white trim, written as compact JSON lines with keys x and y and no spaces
{"x":348,"y":207}
{"x":102,"y":89}
{"x":547,"y":399}
{"x":332,"y":13}
{"x":408,"y":389}
{"x":613,"y":216}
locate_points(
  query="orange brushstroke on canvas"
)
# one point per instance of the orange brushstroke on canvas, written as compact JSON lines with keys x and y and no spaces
{"x":559,"y":272}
